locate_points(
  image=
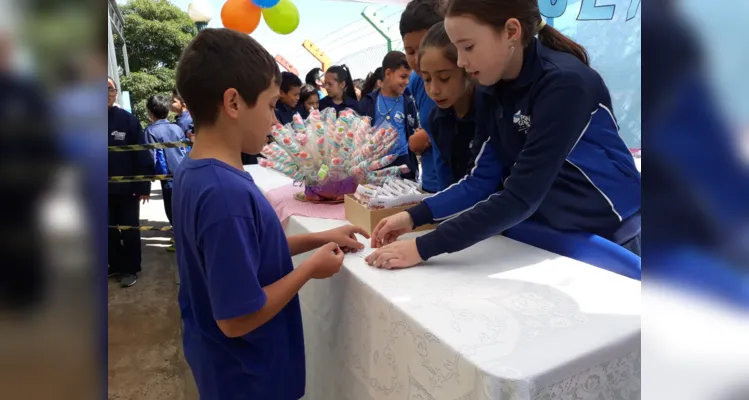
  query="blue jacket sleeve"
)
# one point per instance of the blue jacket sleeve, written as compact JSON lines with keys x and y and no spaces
{"x":157,"y":155}
{"x":560,"y":117}
{"x":483,"y":180}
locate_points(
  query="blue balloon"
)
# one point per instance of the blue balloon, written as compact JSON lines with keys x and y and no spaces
{"x":265,"y":3}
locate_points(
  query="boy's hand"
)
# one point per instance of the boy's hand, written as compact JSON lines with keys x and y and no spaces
{"x":345,"y":237}
{"x":325,"y":262}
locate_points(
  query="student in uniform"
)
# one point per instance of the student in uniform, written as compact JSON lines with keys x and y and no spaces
{"x":358,"y":86}
{"x":452,"y":122}
{"x":417,"y":18}
{"x":340,"y":88}
{"x":242,"y":333}
{"x":287,"y":103}
{"x":165,"y":160}
{"x":394,"y":104}
{"x":549,"y":142}
{"x":309,"y":100}
{"x":372,"y":83}
{"x":314,"y":78}
{"x":124,"y":198}
{"x":183,"y":119}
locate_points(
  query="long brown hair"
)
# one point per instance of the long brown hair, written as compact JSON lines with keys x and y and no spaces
{"x":437,"y":37}
{"x":495,"y":13}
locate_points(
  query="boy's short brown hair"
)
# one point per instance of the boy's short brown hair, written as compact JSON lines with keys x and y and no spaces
{"x":220,"y":59}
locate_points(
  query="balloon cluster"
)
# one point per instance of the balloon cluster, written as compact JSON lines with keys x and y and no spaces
{"x":324,"y":149}
{"x":282,"y":16}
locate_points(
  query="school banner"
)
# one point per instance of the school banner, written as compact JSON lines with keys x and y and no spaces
{"x":610,"y":31}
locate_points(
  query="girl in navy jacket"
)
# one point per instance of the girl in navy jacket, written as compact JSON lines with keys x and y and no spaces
{"x":550,"y":146}
{"x":452,"y":122}
{"x":340,"y":88}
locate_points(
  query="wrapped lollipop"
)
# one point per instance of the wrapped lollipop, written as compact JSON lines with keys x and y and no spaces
{"x":297,"y":124}
{"x":285,"y":138}
{"x":348,"y":146}
{"x":287,"y":169}
{"x":382,"y":162}
{"x":393,"y":172}
{"x":337,"y":168}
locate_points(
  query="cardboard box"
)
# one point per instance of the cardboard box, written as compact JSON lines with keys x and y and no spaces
{"x":359,"y":215}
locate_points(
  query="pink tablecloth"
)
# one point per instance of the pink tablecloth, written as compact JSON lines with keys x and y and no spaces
{"x":282,"y":200}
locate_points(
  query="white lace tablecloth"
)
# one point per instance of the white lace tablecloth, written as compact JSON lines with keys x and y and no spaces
{"x":501,"y":320}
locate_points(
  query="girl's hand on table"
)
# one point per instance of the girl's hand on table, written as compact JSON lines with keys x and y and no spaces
{"x":400,"y":254}
{"x":389,"y":229}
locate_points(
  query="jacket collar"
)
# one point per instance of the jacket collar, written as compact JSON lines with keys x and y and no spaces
{"x":281,"y":106}
{"x":531,"y":71}
{"x":373,"y":94}
{"x":448,"y":112}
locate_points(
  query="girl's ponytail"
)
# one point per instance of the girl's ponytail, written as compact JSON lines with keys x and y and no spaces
{"x":350,"y":90}
{"x":556,"y":40}
{"x":370,"y":84}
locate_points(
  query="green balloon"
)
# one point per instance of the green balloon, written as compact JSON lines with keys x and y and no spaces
{"x":283,"y":18}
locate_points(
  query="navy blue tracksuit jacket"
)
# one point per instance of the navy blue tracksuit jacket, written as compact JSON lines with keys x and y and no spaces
{"x":124,"y":129}
{"x":453,"y":137}
{"x":348,"y":102}
{"x":285,"y":114}
{"x":550,"y":151}
{"x":166,"y":160}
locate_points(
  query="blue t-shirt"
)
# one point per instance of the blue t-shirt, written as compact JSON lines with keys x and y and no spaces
{"x":230,"y":244}
{"x":393,"y":107}
{"x":429,"y":178}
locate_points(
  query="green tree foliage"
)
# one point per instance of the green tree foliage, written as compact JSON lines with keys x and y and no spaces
{"x":143,"y":84}
{"x":156,"y":32}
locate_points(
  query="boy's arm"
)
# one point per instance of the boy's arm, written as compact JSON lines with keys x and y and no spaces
{"x":299,"y":244}
{"x":157,"y":155}
{"x":278,"y":295}
{"x":343,"y":236}
{"x":232,"y":259}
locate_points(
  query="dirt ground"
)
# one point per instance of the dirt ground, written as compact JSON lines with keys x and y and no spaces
{"x":145,"y":345}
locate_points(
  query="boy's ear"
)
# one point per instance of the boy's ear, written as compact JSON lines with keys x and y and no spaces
{"x":231,"y":102}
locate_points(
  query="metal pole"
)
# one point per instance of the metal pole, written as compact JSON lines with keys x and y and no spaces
{"x":201,"y":25}
{"x":112,"y":59}
{"x":379,"y":25}
{"x":124,"y":58}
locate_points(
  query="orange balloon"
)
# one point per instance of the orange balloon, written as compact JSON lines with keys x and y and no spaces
{"x":240,"y":15}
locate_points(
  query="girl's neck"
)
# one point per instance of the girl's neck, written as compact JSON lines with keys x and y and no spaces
{"x":213,"y":144}
{"x":515,"y":65}
{"x":338,"y":99}
{"x":463,"y":105}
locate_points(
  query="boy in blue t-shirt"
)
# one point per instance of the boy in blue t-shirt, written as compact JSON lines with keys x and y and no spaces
{"x":394,"y":104}
{"x":242,"y":332}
